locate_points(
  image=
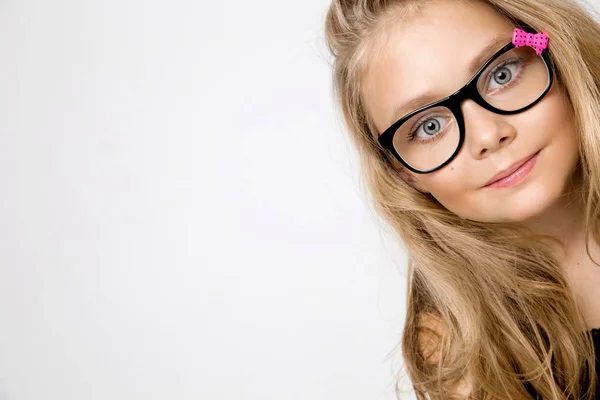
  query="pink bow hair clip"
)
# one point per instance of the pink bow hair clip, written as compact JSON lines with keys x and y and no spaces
{"x":539,"y":41}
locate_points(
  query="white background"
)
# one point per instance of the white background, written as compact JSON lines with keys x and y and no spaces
{"x":181,"y":215}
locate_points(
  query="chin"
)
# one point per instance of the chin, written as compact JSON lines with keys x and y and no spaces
{"x":531,"y":200}
{"x":535,"y":202}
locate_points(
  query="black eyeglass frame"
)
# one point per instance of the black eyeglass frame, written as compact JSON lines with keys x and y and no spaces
{"x":453,"y":102}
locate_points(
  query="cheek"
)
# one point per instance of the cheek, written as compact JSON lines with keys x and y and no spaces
{"x":452,"y":186}
{"x":551,"y":121}
{"x":551,"y":127}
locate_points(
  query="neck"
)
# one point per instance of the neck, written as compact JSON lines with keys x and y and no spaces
{"x":565,"y":219}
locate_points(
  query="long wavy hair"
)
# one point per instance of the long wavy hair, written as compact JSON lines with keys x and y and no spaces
{"x":488,"y":305}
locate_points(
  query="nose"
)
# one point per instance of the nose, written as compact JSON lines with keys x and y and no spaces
{"x":485,"y":131}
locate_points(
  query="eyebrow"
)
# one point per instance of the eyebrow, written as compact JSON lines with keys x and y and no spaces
{"x":429,"y":97}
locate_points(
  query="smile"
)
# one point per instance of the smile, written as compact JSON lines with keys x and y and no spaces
{"x":516,"y":176}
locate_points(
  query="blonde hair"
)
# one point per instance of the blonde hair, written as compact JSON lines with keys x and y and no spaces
{"x":487,"y":301}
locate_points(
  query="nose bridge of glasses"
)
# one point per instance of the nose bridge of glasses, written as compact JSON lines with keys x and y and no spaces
{"x":473,"y":111}
{"x":467,"y":92}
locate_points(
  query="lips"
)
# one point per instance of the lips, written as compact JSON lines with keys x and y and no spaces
{"x":512,"y":168}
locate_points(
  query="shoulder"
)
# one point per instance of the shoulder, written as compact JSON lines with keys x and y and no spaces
{"x":431,"y":332}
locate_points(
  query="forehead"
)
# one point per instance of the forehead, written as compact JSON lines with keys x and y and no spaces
{"x":429,"y":51}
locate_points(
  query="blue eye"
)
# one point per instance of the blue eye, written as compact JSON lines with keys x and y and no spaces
{"x":427,"y":128}
{"x":503,"y":74}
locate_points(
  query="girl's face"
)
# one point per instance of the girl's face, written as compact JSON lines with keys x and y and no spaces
{"x":432,"y":52}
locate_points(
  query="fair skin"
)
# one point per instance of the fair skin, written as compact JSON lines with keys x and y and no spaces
{"x":431,"y":53}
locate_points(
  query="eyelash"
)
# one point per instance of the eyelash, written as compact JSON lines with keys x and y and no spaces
{"x":412,"y":134}
{"x":516,"y":60}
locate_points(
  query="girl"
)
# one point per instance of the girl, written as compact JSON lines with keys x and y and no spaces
{"x":478,"y":129}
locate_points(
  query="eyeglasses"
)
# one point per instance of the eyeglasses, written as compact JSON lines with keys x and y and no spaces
{"x":511,"y":81}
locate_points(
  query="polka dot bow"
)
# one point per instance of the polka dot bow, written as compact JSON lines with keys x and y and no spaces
{"x":539,"y":41}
